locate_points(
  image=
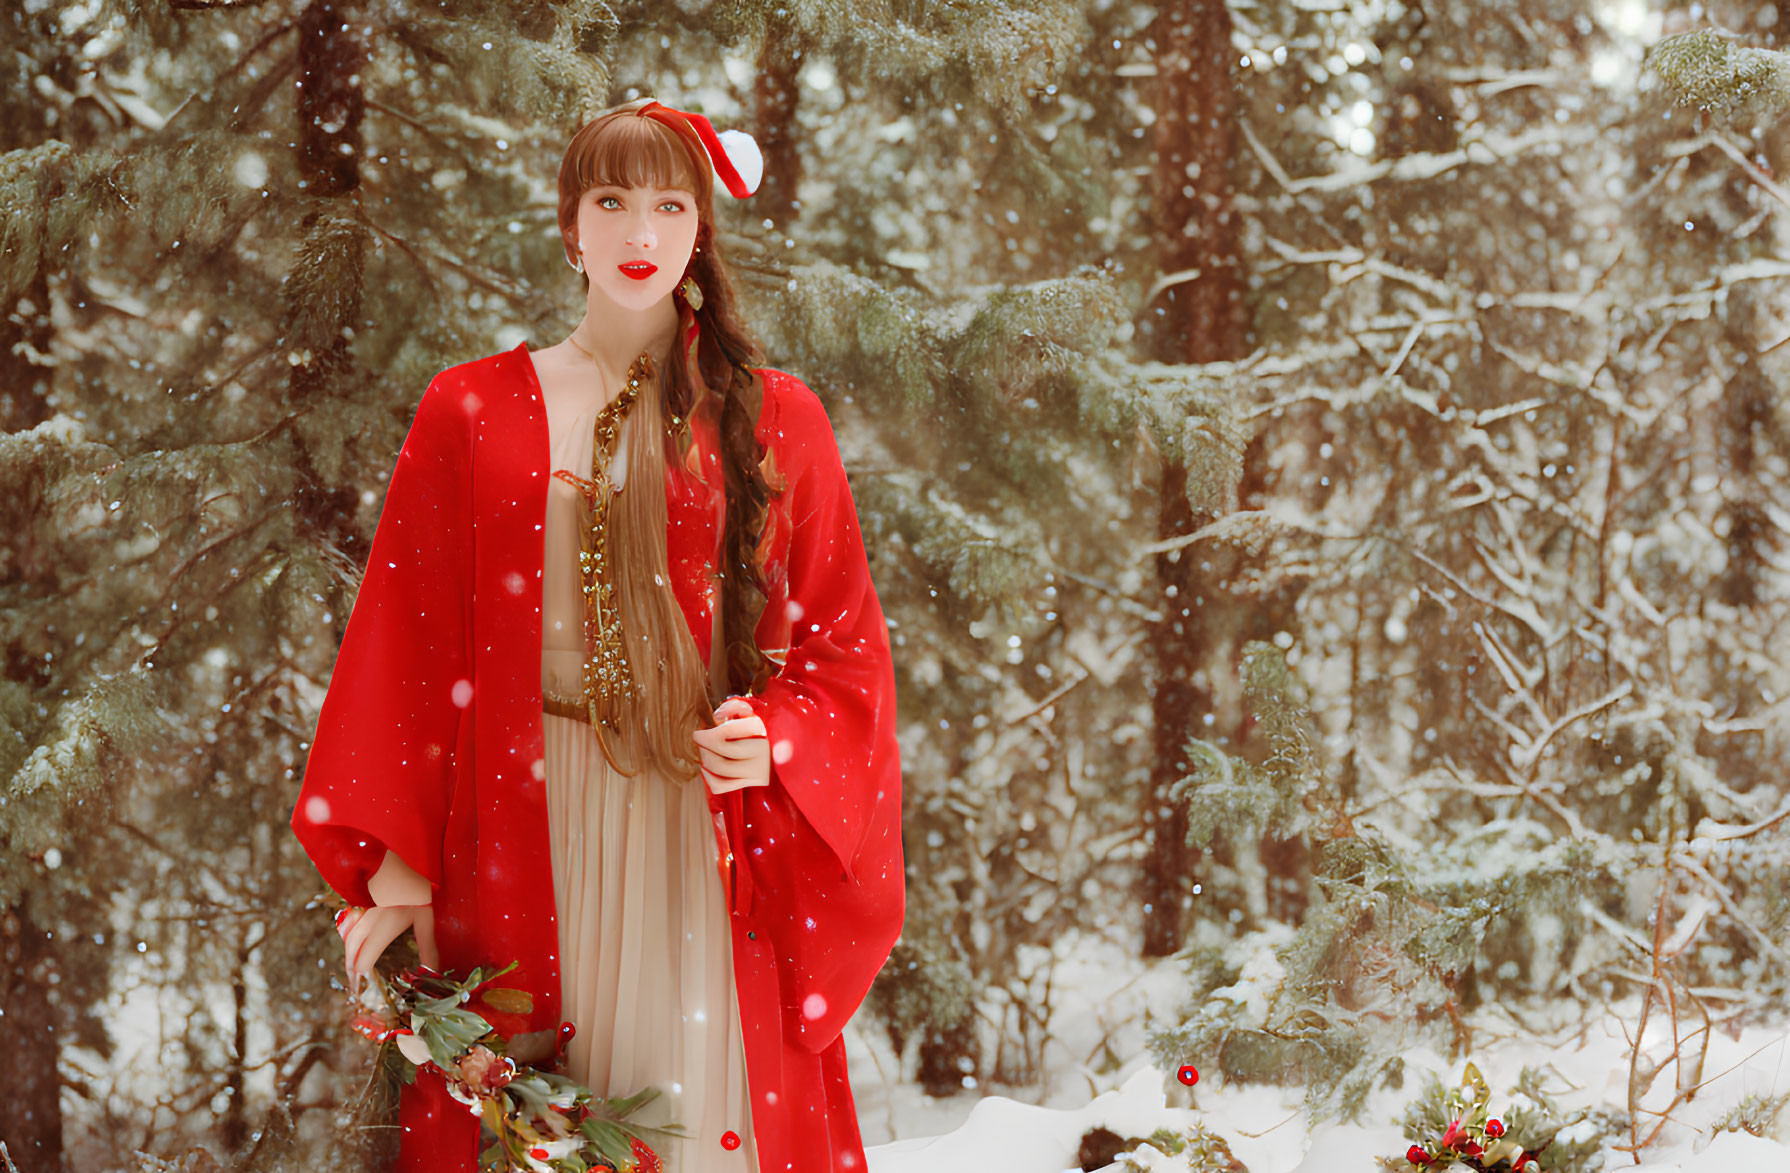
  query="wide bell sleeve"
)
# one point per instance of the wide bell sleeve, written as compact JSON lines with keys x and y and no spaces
{"x":380,"y":772}
{"x":823,"y":841}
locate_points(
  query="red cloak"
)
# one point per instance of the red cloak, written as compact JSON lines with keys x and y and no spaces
{"x":429,"y":742}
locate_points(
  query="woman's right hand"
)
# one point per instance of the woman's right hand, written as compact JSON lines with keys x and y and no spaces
{"x":367,"y":931}
{"x":401,"y":900}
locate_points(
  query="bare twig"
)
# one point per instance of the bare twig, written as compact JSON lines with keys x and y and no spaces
{"x":1726,"y":834}
{"x":1720,"y":892}
{"x":1765,"y":182}
{"x":1056,"y":695}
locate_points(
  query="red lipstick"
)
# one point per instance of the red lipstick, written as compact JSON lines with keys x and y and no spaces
{"x":639,"y":270}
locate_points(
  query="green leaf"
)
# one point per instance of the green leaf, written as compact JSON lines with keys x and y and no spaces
{"x":664,"y":1132}
{"x":450,"y":1035}
{"x":610,"y":1140}
{"x":479,"y":977}
{"x":621,"y":1109}
{"x":508,"y":1001}
{"x":531,"y":1095}
{"x":1473,"y":1082}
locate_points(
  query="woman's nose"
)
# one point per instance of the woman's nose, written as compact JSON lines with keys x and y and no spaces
{"x":642,"y":235}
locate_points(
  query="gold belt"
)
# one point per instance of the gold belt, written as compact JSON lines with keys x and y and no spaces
{"x":561,"y":705}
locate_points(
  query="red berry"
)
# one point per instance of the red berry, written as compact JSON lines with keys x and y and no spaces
{"x":1494,"y":1128}
{"x":1416,"y":1155}
{"x":538,"y":1154}
{"x":1188,"y":1075}
{"x":729,"y":1141}
{"x":645,"y":1160}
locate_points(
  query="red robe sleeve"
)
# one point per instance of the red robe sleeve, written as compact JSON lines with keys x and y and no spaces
{"x":823,"y":841}
{"x":380,"y":769}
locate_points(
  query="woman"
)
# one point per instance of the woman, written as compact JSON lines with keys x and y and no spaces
{"x":582,"y":549}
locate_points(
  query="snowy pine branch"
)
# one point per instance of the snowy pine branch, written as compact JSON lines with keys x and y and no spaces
{"x":1710,"y":70}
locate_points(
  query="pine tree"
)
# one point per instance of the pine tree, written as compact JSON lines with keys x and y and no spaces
{"x":243,"y":266}
{"x":1519,"y":384}
{"x":980,"y":261}
{"x":1205,"y":319}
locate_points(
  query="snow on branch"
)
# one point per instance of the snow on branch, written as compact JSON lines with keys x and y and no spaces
{"x":1711,"y":70}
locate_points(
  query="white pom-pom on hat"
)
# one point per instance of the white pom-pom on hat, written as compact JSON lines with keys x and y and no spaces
{"x":733,"y":154}
{"x":742,"y":151}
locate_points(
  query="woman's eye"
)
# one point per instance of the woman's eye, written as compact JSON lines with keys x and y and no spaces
{"x":605,"y":201}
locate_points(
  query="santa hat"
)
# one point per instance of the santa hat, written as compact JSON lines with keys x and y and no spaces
{"x":734,"y":154}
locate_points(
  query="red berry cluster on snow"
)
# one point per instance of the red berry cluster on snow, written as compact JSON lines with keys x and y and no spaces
{"x":1473,"y":1138}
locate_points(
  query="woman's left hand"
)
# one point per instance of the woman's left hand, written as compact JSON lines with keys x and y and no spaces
{"x":736,"y":753}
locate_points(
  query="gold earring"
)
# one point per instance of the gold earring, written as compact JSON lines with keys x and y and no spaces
{"x":692,"y":292}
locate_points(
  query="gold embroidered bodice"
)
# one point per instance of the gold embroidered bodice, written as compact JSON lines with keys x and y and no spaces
{"x":608,"y":682}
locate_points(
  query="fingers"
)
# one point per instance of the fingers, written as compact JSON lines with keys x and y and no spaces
{"x":732,"y":707}
{"x":733,"y":738}
{"x":353,"y":943}
{"x":376,"y":928}
{"x":719,"y":785}
{"x":735,"y":753}
{"x":346,"y":920}
{"x":424,"y":924}
{"x":724,"y":785}
{"x":741,"y":728}
{"x":379,"y":931}
{"x":723,"y":766}
{"x":355,"y":934}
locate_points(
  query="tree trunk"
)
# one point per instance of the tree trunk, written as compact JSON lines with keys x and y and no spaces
{"x":331,"y":104}
{"x":1201,"y":319}
{"x":332,"y":56}
{"x":774,"y":98}
{"x":31,"y":1108}
{"x":233,"y":1129}
{"x":25,"y":386}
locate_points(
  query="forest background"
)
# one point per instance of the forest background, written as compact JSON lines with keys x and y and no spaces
{"x":1324,"y":466}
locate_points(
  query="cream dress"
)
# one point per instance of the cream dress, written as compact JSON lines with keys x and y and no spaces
{"x":645,"y":958}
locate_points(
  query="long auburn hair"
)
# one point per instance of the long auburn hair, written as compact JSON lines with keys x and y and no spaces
{"x":629,"y":147}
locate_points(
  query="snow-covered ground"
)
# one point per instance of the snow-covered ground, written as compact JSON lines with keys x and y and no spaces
{"x":1105,"y":994}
